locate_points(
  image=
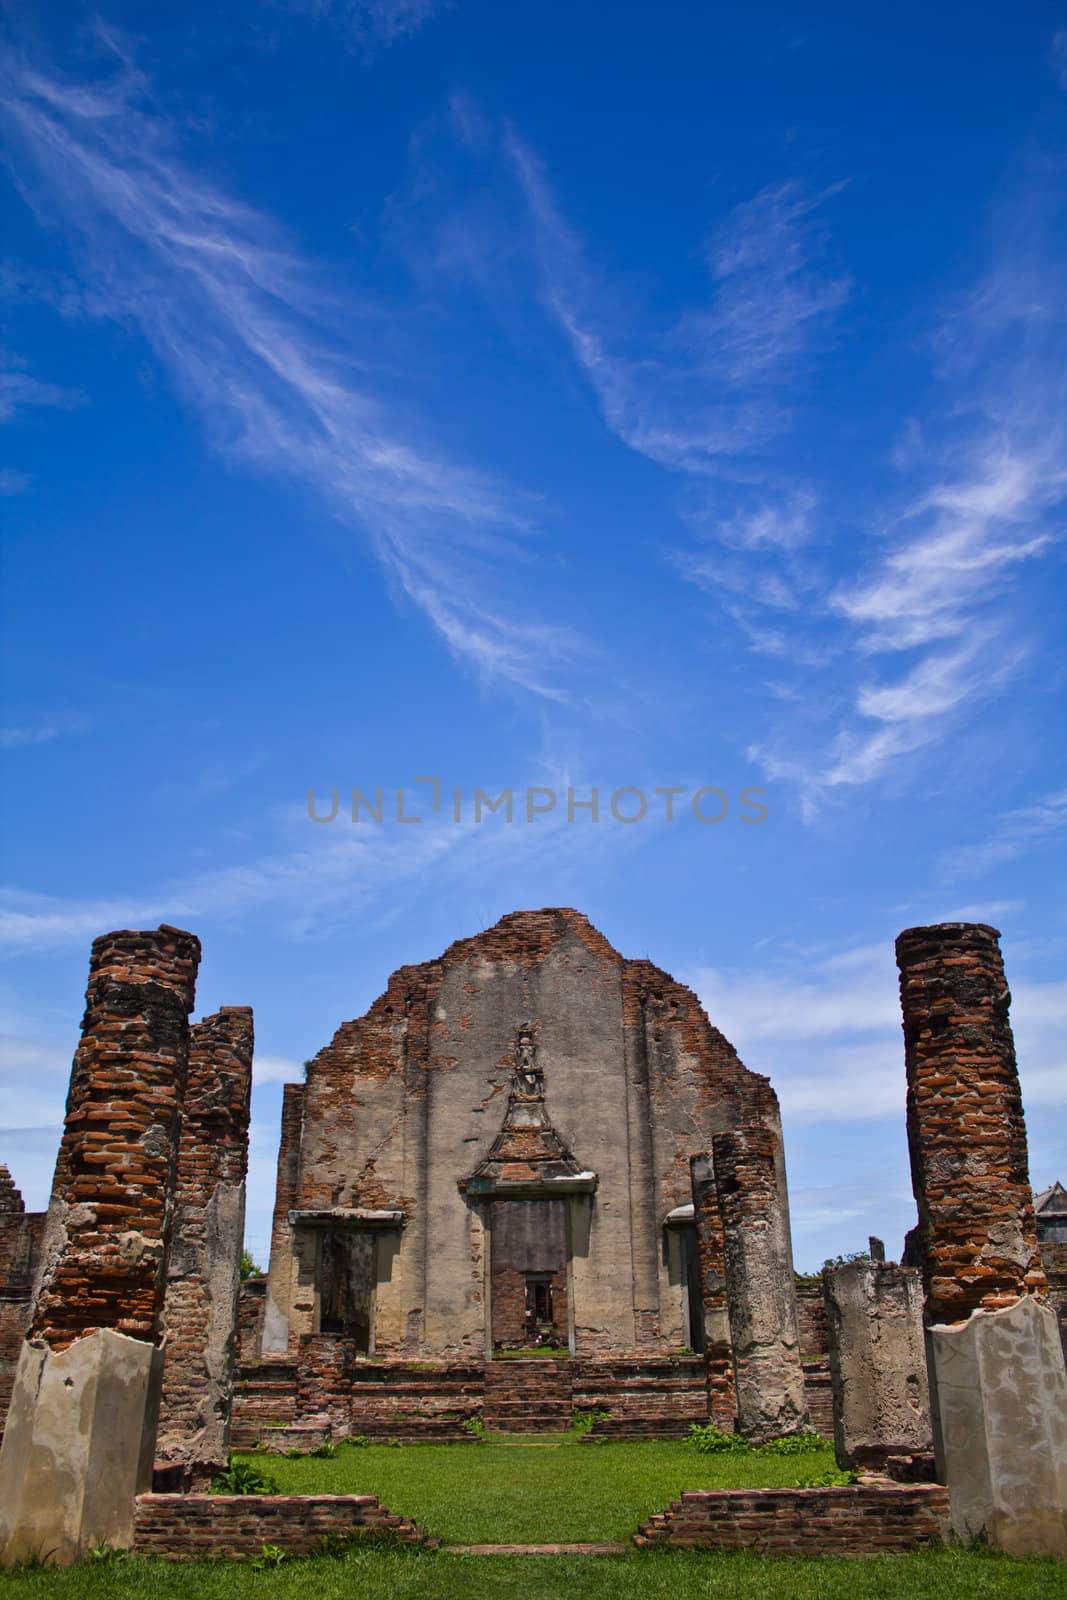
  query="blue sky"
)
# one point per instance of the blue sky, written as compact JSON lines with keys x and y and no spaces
{"x":557,"y":398}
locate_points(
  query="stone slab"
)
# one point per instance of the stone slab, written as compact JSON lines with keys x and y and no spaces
{"x":1002,"y":1396}
{"x":77,"y":1447}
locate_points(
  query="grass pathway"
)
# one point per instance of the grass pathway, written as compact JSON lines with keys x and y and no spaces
{"x":536,"y":1493}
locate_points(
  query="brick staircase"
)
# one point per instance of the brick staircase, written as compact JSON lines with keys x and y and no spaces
{"x":634,"y":1427}
{"x":415,"y":1402}
{"x":527,"y":1396}
{"x":264,"y":1397}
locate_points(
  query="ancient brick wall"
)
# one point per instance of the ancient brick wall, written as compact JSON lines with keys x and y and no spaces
{"x":1054,"y":1261}
{"x":203,"y":1527}
{"x":403,"y":1104}
{"x":859,"y":1519}
{"x":251,"y":1303}
{"x":203,"y":1270}
{"x":20,"y":1242}
{"x":811,"y":1322}
{"x":966,"y":1134}
{"x":760,"y":1284}
{"x":109,"y":1217}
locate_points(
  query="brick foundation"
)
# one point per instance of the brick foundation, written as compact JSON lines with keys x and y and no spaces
{"x":203,"y":1527}
{"x":857,"y":1520}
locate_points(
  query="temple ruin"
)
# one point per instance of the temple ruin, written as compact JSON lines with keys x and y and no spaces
{"x":532,"y":1183}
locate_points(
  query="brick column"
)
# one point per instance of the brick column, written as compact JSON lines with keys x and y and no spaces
{"x":203,"y":1272}
{"x":966,"y":1133}
{"x":83,"y":1410}
{"x":276,"y":1340}
{"x":998,"y":1387}
{"x":760,"y":1288}
{"x":718,"y":1354}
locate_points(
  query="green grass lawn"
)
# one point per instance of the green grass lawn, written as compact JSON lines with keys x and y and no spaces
{"x":640,"y":1575}
{"x":537,"y":1493}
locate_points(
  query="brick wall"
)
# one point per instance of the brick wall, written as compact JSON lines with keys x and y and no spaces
{"x":109,"y":1217}
{"x":20,"y":1243}
{"x":201,"y":1527}
{"x":811,"y":1322}
{"x":203,"y":1269}
{"x":860,"y":1519}
{"x":251,"y":1303}
{"x":966,"y":1133}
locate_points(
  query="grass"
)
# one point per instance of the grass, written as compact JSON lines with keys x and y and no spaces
{"x":640,"y":1575}
{"x":544,"y":1492}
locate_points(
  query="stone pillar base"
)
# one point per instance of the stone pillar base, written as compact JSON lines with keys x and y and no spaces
{"x":1002,"y":1397}
{"x":77,"y":1446}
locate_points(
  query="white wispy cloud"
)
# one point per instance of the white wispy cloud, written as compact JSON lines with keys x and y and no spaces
{"x":1059,"y":56}
{"x":266,"y":356}
{"x":325,"y":876}
{"x":368,"y":23}
{"x":1014,"y":834}
{"x":19,"y":390}
{"x":705,"y":390}
{"x":43,"y":732}
{"x":941,"y":580}
{"x":828,"y":1032}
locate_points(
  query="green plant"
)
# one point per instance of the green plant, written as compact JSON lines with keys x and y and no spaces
{"x":582,"y":1421}
{"x":249,"y":1268}
{"x":358,"y":1441}
{"x":244,"y":1477}
{"x":108,"y":1553}
{"x":712,"y":1441}
{"x":832,"y":1478}
{"x":793,"y":1444}
{"x":271,"y":1555}
{"x":324,"y":1451}
{"x":476,"y":1426}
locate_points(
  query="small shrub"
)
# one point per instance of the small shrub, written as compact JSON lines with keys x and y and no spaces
{"x":582,"y":1421}
{"x":244,"y":1477}
{"x":476,"y":1426}
{"x":358,"y":1441}
{"x":324,"y":1451}
{"x":832,"y":1478}
{"x":109,"y":1554}
{"x":271,"y":1555}
{"x":793,"y":1444}
{"x":712,"y":1441}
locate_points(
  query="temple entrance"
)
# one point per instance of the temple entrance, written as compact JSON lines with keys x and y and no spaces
{"x":346,"y":1277}
{"x":528,"y":1273}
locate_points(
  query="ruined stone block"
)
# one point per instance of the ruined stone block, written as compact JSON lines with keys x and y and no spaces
{"x":1003,"y":1409}
{"x":877,"y":1362}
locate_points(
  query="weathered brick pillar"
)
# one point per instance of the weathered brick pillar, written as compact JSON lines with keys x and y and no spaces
{"x":19,"y":1241}
{"x":966,"y":1132}
{"x":718,"y":1353}
{"x":276,"y":1339}
{"x":997,"y":1379}
{"x":81,"y":1426}
{"x":760,"y":1287}
{"x":203,"y":1271}
{"x":874,"y":1314}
